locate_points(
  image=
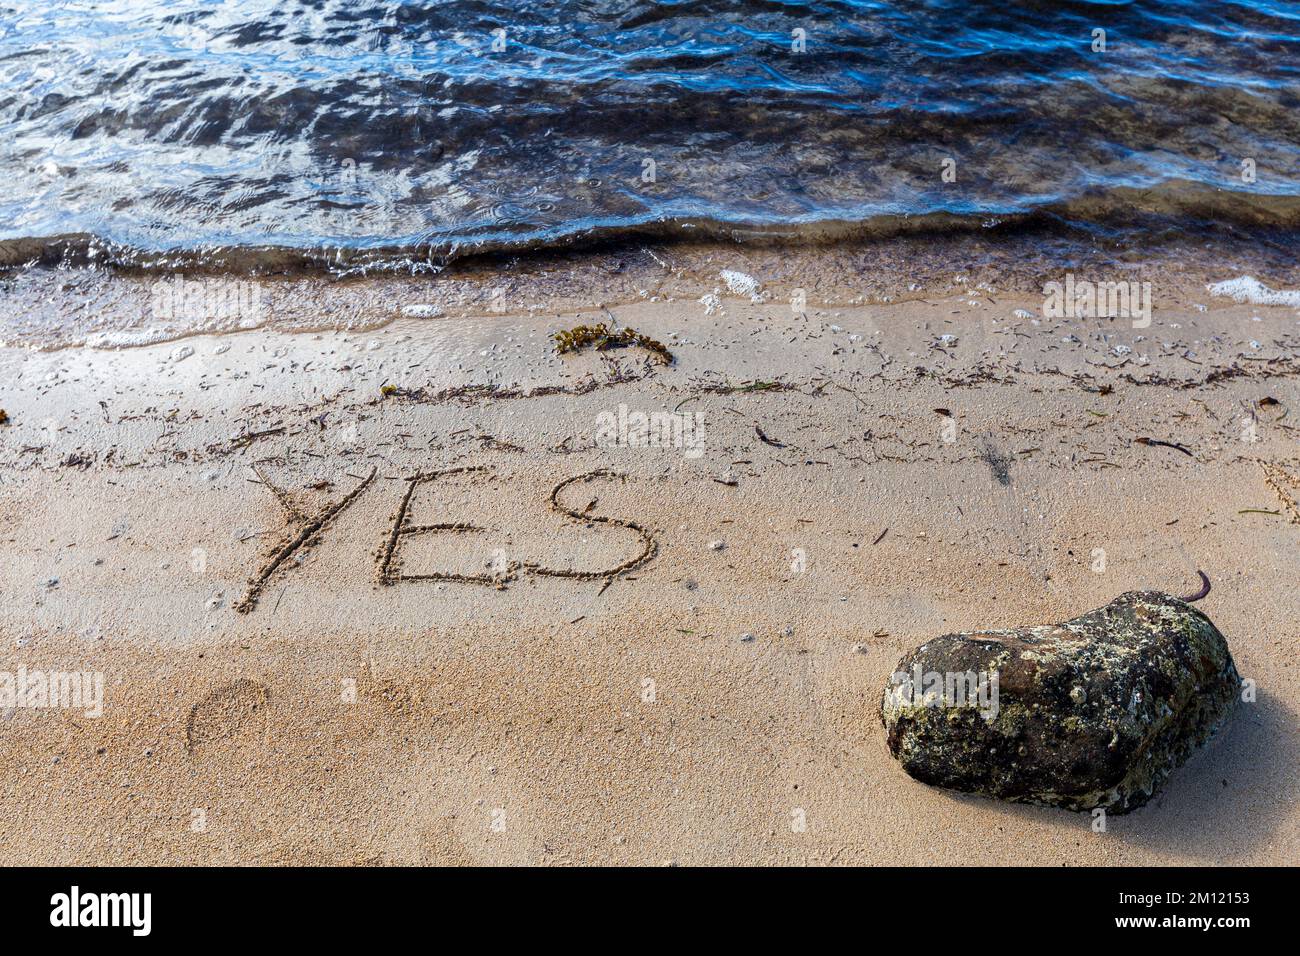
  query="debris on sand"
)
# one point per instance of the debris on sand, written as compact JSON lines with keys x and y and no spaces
{"x":4,"y":417}
{"x":1094,"y":712}
{"x":1157,"y":443}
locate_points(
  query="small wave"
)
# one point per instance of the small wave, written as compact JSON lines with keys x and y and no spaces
{"x":1171,"y":212}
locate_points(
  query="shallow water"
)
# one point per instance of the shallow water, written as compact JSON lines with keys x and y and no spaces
{"x":349,"y":133}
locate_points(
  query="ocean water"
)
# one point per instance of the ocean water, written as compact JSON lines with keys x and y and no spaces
{"x":354,"y":134}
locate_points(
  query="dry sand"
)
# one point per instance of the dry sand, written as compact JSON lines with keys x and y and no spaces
{"x":714,"y":704}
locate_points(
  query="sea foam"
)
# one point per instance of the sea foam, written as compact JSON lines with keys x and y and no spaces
{"x":740,"y":283}
{"x":1249,"y":289}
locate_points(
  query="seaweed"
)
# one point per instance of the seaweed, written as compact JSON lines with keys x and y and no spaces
{"x":602,"y":337}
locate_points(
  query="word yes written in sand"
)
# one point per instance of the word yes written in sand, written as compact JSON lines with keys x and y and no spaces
{"x":306,"y":530}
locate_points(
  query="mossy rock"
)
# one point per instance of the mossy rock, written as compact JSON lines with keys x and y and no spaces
{"x":1094,"y":712}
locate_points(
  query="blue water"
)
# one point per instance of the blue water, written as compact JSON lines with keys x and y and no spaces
{"x":418,"y":130}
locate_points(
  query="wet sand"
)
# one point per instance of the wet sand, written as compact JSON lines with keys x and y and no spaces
{"x":866,"y":476}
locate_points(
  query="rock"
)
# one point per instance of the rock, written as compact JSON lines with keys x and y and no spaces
{"x":1094,"y":712}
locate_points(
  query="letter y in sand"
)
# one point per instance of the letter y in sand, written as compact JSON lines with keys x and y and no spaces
{"x":310,"y":529}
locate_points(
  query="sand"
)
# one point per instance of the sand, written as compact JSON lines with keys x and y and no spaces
{"x":849,"y":482}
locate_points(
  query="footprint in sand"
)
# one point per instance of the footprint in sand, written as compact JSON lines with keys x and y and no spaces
{"x":224,"y":712}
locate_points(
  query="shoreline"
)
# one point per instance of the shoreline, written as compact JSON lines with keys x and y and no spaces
{"x":53,"y":307}
{"x":345,"y":720}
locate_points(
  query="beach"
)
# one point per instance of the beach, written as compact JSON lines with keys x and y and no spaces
{"x":409,"y":587}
